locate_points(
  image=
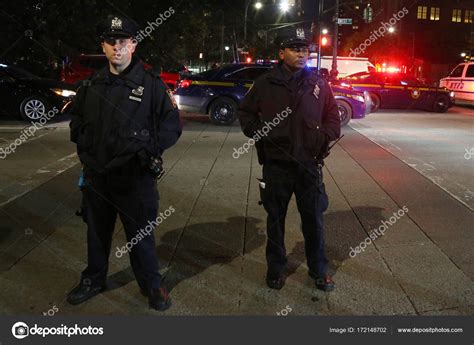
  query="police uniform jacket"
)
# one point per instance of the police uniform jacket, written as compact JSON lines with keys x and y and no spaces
{"x":116,"y":117}
{"x":312,"y":122}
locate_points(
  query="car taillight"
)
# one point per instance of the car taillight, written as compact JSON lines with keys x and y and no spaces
{"x":185,"y":83}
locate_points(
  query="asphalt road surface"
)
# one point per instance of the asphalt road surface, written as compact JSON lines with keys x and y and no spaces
{"x":440,"y":146}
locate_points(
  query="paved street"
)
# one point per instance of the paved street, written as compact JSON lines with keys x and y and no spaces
{"x":212,"y":247}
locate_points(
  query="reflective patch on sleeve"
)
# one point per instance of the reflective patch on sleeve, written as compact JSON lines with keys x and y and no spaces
{"x":171,"y":96}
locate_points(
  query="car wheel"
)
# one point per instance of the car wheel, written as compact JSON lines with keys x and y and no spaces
{"x":223,"y":111}
{"x":441,"y":104}
{"x":345,"y":112}
{"x":33,"y":108}
{"x":375,"y":102}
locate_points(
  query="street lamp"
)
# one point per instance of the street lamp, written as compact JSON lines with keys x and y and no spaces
{"x":325,"y":31}
{"x":258,"y":5}
{"x":227,"y":48}
{"x":391,"y":29}
{"x":463,"y":54}
{"x":284,"y":6}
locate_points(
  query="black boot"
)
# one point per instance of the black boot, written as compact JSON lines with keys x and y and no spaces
{"x":276,"y":283}
{"x":83,"y":291}
{"x":159,"y":299}
{"x":325,"y":283}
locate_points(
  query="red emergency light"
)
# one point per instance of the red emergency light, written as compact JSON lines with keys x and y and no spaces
{"x":185,"y":83}
{"x":387,"y":69}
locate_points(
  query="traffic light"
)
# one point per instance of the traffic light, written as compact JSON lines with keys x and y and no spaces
{"x":326,"y":40}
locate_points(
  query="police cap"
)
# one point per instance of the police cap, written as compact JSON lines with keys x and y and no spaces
{"x":117,"y":26}
{"x":293,"y":37}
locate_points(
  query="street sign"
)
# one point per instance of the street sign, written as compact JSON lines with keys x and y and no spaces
{"x":344,"y":21}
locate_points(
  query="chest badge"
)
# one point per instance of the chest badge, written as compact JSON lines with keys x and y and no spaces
{"x":138,"y":91}
{"x":136,"y":94}
{"x":316,"y":91}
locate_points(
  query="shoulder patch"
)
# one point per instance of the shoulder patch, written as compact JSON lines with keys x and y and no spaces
{"x":171,"y":96}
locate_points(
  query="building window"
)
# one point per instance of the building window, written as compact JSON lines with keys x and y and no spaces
{"x":368,"y":14}
{"x":457,"y":16}
{"x":469,"y":17}
{"x":422,"y":12}
{"x":434,"y":14}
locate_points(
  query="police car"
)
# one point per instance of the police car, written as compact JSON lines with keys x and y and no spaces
{"x":219,"y":91}
{"x":400,"y":91}
{"x":461,"y":82}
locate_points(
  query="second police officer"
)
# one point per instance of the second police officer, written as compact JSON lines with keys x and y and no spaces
{"x":123,"y":119}
{"x":297,"y":112}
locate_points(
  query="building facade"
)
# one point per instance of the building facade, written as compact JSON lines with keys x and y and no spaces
{"x":435,"y":31}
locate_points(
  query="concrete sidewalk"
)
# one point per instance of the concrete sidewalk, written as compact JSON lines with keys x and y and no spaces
{"x":212,"y":248}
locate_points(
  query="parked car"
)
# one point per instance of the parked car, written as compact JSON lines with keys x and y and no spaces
{"x":81,"y":67}
{"x":352,"y":104}
{"x":461,"y":82}
{"x":172,"y":76}
{"x":219,"y":91}
{"x":400,"y":91}
{"x":30,"y":97}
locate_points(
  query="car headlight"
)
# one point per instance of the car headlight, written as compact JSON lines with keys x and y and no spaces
{"x":64,"y":93}
{"x":451,"y":94}
{"x":359,"y":98}
{"x":176,"y":98}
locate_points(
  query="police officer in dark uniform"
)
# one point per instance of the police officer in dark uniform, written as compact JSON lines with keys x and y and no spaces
{"x":123,"y":118}
{"x":292,"y":115}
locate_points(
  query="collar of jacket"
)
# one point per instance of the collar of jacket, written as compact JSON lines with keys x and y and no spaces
{"x":282,"y":77}
{"x":134,"y":77}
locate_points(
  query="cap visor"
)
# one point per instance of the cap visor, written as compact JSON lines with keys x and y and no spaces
{"x":121,"y":34}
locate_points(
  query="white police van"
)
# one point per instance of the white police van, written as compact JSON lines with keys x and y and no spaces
{"x":346,"y":65}
{"x":461,"y":82}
